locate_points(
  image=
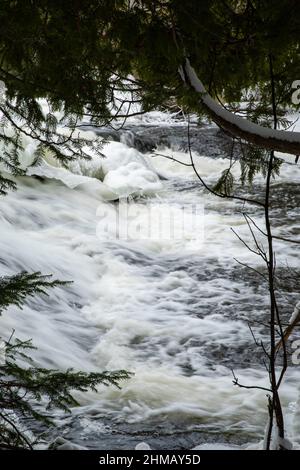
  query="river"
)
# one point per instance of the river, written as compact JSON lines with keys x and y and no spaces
{"x":174,"y":307}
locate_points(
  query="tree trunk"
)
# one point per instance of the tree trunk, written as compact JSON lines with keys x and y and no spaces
{"x":270,"y":139}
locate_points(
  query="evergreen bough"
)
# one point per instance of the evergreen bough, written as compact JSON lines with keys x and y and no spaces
{"x":23,"y":384}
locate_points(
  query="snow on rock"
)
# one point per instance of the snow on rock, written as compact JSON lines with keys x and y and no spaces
{"x":142,"y":446}
{"x":124,"y":170}
{"x":133,"y":179}
{"x":71,"y":180}
{"x":121,"y":173}
{"x":117,"y":154}
{"x":128,"y":172}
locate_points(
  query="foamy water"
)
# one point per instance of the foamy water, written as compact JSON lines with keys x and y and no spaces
{"x":173,"y":311}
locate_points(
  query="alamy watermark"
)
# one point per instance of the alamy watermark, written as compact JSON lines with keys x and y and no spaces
{"x":130,"y":220}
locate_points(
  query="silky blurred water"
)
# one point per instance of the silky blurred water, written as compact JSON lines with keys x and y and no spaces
{"x":174,"y":311}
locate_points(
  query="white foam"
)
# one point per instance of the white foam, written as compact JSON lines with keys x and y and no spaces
{"x":136,"y":304}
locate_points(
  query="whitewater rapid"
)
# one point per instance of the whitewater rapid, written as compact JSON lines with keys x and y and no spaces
{"x":174,"y":311}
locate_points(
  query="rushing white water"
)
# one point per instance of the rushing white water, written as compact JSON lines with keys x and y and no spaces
{"x":173,"y":311}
